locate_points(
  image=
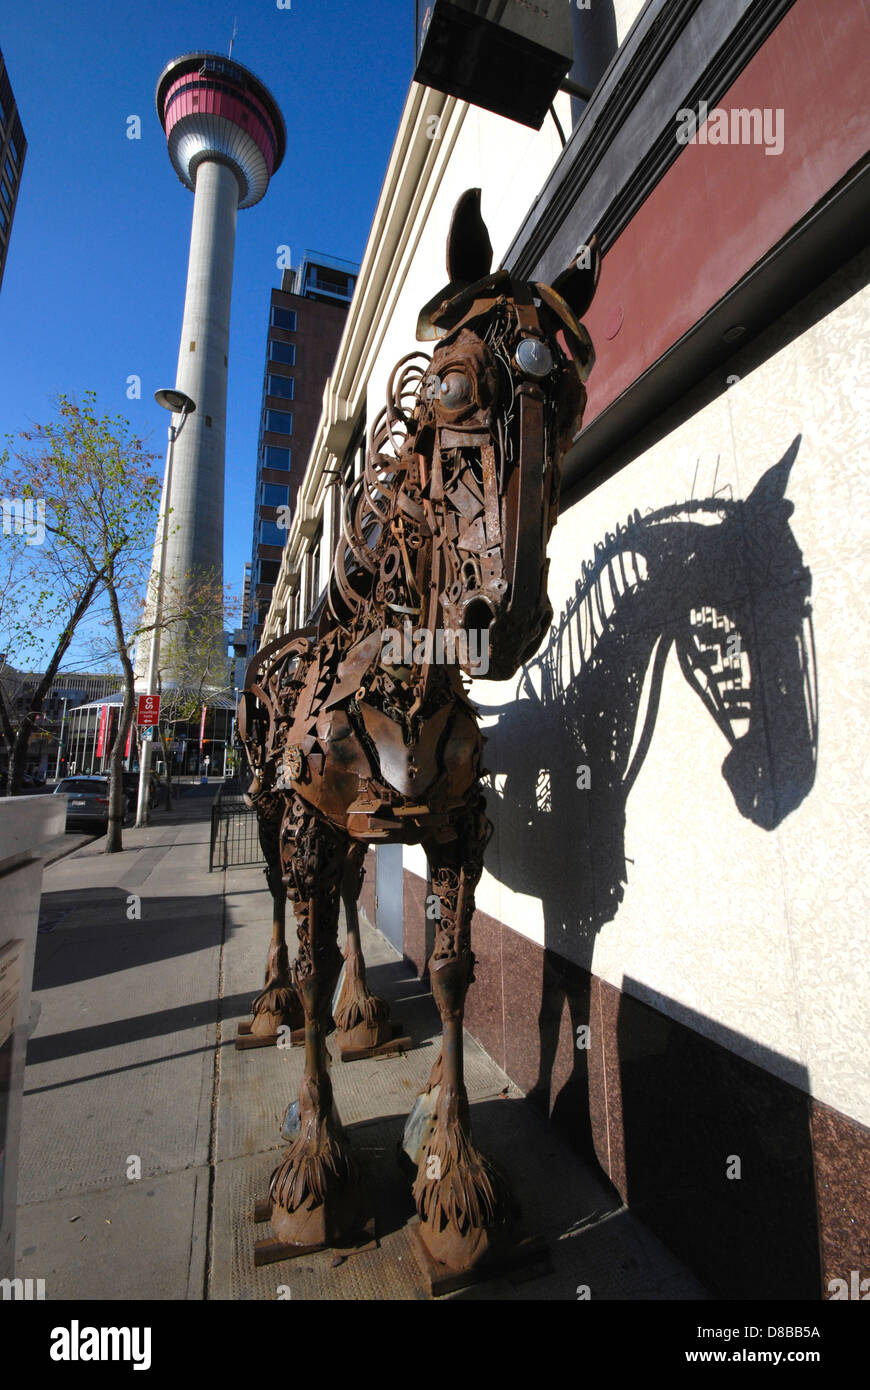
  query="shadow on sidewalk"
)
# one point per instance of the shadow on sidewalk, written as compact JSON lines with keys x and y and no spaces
{"x":85,"y":933}
{"x":135,"y":1029}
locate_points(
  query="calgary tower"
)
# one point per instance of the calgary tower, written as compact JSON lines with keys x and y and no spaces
{"x":226,"y":137}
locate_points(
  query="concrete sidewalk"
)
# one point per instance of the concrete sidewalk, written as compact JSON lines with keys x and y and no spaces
{"x":132,"y":1057}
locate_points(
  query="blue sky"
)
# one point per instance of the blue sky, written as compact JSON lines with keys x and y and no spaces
{"x":94,"y":284}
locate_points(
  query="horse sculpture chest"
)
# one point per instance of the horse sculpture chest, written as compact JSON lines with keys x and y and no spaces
{"x":359,"y":730}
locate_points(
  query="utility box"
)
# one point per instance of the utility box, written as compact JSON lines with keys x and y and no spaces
{"x":508,"y":56}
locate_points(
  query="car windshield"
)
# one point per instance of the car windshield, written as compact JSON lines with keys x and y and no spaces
{"x":81,"y":786}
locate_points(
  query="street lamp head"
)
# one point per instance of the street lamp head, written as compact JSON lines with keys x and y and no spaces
{"x":174,"y":400}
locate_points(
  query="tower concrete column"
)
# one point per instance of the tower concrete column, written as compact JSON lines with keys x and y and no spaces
{"x":197,"y":520}
{"x":226,"y":137}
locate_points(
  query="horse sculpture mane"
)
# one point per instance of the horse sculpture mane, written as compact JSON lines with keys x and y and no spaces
{"x":358,"y":730}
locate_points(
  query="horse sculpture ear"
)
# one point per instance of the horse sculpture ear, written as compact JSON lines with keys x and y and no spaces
{"x":469,"y":249}
{"x":577,"y":284}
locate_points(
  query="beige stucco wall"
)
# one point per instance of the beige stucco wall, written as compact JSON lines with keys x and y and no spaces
{"x":625,"y":13}
{"x":509,"y":163}
{"x":760,"y":932}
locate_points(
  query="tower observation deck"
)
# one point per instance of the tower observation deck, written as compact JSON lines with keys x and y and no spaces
{"x":226,"y":138}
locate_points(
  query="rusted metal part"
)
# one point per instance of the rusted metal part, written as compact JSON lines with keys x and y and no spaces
{"x":362,"y":730}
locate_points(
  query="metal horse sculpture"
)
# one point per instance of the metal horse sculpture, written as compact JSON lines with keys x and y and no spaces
{"x":355,"y":740}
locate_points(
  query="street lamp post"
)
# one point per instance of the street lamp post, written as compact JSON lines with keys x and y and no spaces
{"x":178,"y":403}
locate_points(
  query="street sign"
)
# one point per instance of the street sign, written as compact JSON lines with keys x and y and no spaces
{"x":149,"y":709}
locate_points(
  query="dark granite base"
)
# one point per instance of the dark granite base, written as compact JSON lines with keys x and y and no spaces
{"x":666,"y":1112}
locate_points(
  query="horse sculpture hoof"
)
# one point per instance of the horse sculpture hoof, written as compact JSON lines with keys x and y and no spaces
{"x":276,"y":1008}
{"x":361,"y":1018}
{"x":315,"y":1190}
{"x":324,"y":1223}
{"x":464,"y":1202}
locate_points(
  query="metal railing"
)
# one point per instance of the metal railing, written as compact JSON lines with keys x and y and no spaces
{"x":234,"y":839}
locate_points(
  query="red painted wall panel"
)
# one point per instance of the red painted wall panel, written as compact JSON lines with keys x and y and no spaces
{"x":720,"y":208}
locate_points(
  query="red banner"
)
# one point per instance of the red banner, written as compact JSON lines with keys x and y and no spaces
{"x":129,"y":739}
{"x":202,"y":727}
{"x":101,"y":731}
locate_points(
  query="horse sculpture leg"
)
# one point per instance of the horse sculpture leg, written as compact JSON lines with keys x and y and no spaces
{"x":278,"y":1005}
{"x":314,"y":1191}
{"x":361,"y":1018}
{"x":464,"y":1202}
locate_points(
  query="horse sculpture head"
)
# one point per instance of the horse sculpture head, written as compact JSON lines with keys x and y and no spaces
{"x":497,"y":410}
{"x":447,"y":528}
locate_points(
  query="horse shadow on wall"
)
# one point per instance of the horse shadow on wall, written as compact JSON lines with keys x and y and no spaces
{"x":720,"y":583}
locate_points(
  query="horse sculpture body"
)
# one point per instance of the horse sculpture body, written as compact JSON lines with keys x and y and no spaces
{"x":358,"y":730}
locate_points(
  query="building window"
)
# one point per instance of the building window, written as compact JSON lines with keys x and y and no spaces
{"x":272,"y":534}
{"x":9,"y":172}
{"x":279,"y":421}
{"x":2,"y":220}
{"x":13,"y":150}
{"x":281,"y":386}
{"x":276,"y":457}
{"x":269,"y":571}
{"x":328,"y":280}
{"x":6,"y":195}
{"x":282,"y":352}
{"x":275,"y":494}
{"x":284,"y":318}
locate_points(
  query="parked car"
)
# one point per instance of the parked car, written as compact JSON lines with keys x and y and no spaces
{"x":88,"y":804}
{"x":131,"y":787}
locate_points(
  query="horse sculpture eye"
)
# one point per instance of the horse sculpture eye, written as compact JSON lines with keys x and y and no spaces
{"x":455,"y":390}
{"x":534,"y":358}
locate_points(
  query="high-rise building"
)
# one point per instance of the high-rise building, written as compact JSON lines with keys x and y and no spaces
{"x":13,"y":148}
{"x":306,"y":319}
{"x":226,"y":137}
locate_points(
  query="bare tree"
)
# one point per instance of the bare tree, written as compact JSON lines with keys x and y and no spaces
{"x":86,"y":498}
